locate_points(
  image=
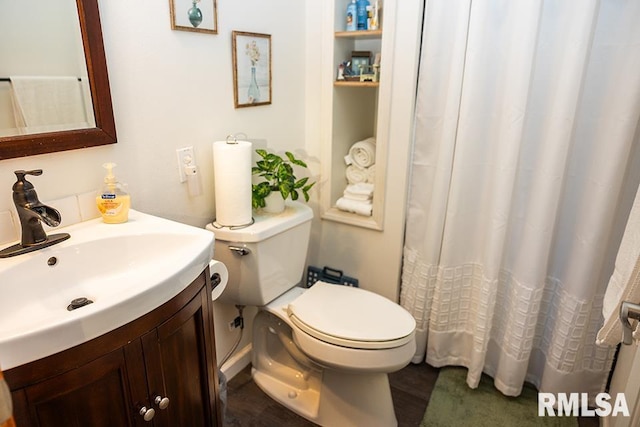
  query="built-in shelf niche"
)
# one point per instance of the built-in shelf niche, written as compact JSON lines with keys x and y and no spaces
{"x":355,"y":107}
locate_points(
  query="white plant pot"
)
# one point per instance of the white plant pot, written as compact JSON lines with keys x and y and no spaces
{"x":274,"y":203}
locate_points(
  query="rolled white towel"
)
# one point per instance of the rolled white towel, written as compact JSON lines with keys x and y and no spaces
{"x":363,"y":208}
{"x":363,"y":153}
{"x":361,"y":191}
{"x":371,"y":174}
{"x":356,"y":174}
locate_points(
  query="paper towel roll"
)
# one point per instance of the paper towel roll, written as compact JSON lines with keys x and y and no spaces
{"x":232,"y":172}
{"x":218,"y":268}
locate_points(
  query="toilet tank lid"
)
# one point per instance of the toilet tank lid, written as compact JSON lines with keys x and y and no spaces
{"x":266,"y":225}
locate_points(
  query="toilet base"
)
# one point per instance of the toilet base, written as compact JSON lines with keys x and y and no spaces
{"x":349,"y":400}
{"x":324,"y":396}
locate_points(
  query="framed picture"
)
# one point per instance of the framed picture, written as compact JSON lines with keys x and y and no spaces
{"x":251,"y":69}
{"x":194,"y":15}
{"x":359,"y":59}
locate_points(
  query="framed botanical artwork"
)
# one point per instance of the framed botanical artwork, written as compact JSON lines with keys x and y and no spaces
{"x":251,"y":69}
{"x":194,"y":15}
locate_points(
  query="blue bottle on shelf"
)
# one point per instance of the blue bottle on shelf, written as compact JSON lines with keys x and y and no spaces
{"x":362,"y":14}
{"x":352,"y":12}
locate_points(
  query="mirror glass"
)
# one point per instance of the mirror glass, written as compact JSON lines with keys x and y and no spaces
{"x":54,"y":89}
{"x":43,"y":76}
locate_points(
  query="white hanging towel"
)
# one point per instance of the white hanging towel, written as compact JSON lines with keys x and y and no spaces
{"x":43,"y":104}
{"x":363,"y":153}
{"x":624,"y":284}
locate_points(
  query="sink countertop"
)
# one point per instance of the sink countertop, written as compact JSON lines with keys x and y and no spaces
{"x":127,"y":270}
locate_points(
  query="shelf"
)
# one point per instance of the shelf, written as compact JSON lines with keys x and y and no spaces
{"x":356,"y":84}
{"x":359,"y":34}
{"x":335,"y":214}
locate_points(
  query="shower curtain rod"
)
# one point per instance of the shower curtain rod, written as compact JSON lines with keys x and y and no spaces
{"x":7,"y":79}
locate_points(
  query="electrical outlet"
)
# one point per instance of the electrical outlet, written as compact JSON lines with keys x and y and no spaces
{"x":236,"y":323}
{"x":185,"y":157}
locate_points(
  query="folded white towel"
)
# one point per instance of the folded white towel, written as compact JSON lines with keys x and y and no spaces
{"x":356,"y":174}
{"x":624,"y":284}
{"x":363,"y":208}
{"x":361,"y":191}
{"x":363,"y":153}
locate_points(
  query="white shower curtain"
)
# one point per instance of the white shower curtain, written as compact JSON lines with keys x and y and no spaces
{"x":526,"y":121}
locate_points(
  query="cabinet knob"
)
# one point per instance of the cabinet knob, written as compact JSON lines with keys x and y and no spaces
{"x":147,"y":414}
{"x":162,"y":402}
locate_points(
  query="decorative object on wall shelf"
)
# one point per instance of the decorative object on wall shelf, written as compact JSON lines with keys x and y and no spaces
{"x":194,"y":15}
{"x":279,"y":182}
{"x":359,"y":60}
{"x":251,"y":69}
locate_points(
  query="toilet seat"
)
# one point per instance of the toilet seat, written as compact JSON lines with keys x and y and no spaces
{"x":351,"y":317}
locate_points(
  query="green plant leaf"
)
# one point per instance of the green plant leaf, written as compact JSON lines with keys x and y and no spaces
{"x":284,"y":190}
{"x":274,"y":159}
{"x":262,"y":153}
{"x":290,"y":156}
{"x":295,"y":161}
{"x":301,"y":182}
{"x":294,"y":195}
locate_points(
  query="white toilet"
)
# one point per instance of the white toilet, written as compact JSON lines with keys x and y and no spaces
{"x":323,"y":352}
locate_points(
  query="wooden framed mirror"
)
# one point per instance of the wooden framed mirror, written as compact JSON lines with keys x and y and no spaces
{"x":104,"y":132}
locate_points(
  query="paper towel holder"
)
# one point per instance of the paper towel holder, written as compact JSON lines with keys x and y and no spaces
{"x":233,"y":139}
{"x":216,"y":224}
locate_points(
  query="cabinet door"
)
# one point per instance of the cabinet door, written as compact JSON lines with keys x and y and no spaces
{"x":181,"y":366}
{"x":96,"y":394}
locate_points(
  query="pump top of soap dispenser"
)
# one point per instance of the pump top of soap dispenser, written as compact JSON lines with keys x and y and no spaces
{"x":110,"y":178}
{"x":111,"y":184}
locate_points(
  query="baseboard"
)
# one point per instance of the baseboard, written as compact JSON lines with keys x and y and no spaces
{"x":237,"y":362}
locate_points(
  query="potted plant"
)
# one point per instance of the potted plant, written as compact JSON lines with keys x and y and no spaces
{"x":279,"y":183}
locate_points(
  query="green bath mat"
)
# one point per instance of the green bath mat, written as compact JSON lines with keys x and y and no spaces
{"x":453,"y":403}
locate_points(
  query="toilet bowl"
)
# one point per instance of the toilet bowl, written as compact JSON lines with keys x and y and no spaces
{"x":323,"y":352}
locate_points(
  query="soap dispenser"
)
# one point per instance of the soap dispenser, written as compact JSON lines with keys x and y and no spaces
{"x":113,"y":201}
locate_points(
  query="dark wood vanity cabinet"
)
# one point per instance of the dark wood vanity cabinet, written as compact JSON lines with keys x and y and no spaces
{"x":159,"y":370}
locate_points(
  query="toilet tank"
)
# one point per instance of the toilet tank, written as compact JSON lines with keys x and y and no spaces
{"x":267,"y":258}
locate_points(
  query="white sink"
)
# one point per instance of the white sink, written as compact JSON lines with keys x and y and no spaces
{"x":126,"y":269}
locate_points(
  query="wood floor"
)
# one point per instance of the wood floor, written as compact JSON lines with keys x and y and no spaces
{"x":411,"y":387}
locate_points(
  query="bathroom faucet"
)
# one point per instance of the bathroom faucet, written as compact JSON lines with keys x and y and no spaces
{"x":32,"y":213}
